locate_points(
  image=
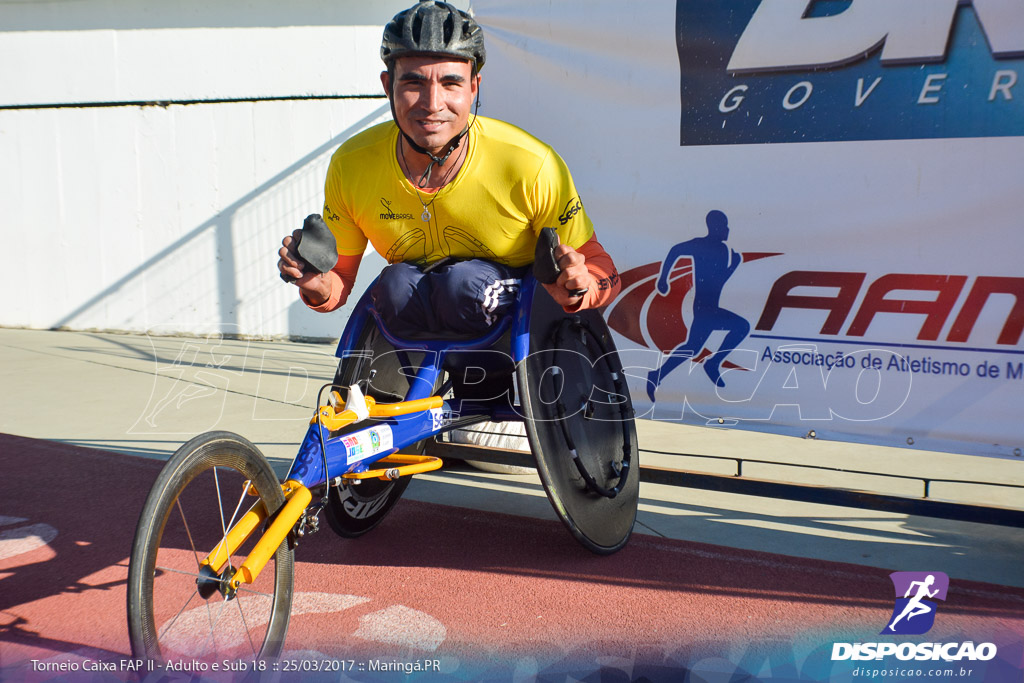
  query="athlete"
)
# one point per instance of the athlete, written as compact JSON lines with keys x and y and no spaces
{"x":453,"y":201}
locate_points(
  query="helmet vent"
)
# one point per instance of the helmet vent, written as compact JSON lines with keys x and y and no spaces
{"x":449,"y":29}
{"x":417,"y":27}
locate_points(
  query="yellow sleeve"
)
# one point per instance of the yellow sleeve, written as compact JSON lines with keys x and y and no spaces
{"x":350,"y":239}
{"x":557,"y":204}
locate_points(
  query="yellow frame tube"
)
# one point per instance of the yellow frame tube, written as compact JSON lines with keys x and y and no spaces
{"x":405,"y":407}
{"x":298,"y":499}
{"x":235,"y":538}
{"x":408,"y":464}
{"x":238,"y":534}
{"x":328,"y":417}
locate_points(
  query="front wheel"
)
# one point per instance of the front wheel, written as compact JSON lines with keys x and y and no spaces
{"x":176,"y":608}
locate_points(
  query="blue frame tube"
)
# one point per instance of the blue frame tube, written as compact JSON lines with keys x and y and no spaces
{"x":348,"y":452}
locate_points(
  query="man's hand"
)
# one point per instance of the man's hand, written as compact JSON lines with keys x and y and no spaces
{"x":574,"y":276}
{"x":314,"y":286}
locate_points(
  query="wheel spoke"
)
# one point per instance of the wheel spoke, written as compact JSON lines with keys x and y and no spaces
{"x":171,"y":570}
{"x":238,"y":506}
{"x":250,"y":591}
{"x":245,"y":626}
{"x":167,"y":626}
{"x":188,"y":532}
{"x":213,"y":625}
{"x":220,"y":503}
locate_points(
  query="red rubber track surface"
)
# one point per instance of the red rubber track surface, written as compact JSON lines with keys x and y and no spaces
{"x":462,"y":585}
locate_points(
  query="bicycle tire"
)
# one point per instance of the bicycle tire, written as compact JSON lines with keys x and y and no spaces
{"x":602,"y":442}
{"x":162,"y":573}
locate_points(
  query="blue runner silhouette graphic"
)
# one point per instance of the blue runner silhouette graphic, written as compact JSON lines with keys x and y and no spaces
{"x":714,"y":262}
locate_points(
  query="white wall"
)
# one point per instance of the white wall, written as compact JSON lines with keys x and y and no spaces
{"x":167,"y":217}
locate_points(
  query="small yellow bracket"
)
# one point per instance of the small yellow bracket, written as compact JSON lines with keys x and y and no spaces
{"x":407,"y":464}
{"x":333,"y":420}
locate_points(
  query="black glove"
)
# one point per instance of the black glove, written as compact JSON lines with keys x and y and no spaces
{"x":545,"y":266}
{"x":316,"y":245}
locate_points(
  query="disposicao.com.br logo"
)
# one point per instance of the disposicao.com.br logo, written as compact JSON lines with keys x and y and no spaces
{"x":914,"y":614}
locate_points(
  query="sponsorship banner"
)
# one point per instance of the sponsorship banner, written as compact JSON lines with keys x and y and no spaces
{"x":815,"y":205}
{"x":839,"y":70}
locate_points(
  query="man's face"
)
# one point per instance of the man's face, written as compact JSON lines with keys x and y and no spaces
{"x":433,"y":98}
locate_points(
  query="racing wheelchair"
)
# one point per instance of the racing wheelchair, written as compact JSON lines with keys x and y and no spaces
{"x":212,"y":563}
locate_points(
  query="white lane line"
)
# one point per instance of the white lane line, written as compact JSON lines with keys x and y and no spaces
{"x":401,"y":625}
{"x":23,"y":539}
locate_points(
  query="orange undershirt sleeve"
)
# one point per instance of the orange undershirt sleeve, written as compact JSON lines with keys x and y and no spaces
{"x":342,"y":278}
{"x":606,"y":284}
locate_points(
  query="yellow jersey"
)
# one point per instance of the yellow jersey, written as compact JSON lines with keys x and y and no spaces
{"x":509,"y":187}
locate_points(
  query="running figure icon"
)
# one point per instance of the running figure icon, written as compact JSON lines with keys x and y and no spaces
{"x":714,"y":262}
{"x":916,"y":607}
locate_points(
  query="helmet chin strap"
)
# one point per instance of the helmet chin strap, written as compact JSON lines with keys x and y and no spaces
{"x":452,"y":145}
{"x":434,"y":160}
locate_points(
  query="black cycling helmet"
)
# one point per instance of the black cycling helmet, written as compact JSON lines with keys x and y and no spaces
{"x":433,"y":27}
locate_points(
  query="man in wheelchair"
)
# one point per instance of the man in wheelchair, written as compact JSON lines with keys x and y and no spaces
{"x":461,"y":206}
{"x":452,"y":200}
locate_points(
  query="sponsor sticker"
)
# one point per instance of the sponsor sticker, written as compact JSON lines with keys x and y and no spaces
{"x":367,"y":443}
{"x":442,"y":417}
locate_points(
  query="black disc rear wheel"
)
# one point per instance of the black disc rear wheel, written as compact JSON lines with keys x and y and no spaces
{"x":579,"y":421}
